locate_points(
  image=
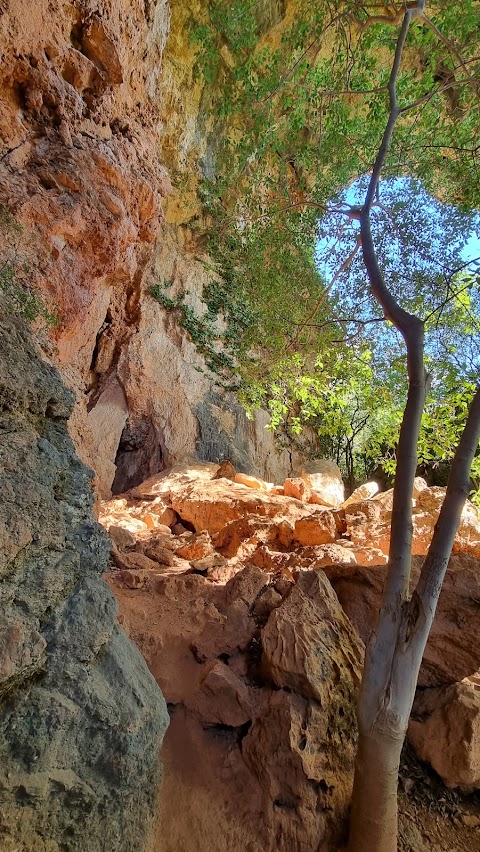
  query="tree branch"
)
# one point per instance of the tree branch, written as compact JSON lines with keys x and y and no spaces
{"x":436,"y":562}
{"x":346,"y":263}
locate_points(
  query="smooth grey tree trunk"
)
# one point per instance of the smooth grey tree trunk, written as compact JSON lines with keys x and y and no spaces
{"x":395,"y":651}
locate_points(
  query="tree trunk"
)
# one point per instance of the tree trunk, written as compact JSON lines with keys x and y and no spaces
{"x":374,"y":806}
{"x":392,"y":663}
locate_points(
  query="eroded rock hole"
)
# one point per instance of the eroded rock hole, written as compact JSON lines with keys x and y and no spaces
{"x":139,"y":455}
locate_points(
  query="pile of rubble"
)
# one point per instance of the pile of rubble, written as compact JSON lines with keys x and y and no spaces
{"x":251,"y":604}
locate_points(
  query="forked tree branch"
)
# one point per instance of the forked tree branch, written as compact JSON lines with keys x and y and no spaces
{"x":436,"y":562}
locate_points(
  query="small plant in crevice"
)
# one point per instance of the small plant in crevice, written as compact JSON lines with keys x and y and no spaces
{"x":14,"y":275}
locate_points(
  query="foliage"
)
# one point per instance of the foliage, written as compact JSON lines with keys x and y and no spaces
{"x":14,"y":275}
{"x":302,"y":112}
{"x":219,"y":348}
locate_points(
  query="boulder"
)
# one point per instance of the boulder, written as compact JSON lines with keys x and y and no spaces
{"x":317,"y":528}
{"x":211,"y":508}
{"x":132,"y":561}
{"x":226,"y":471}
{"x":221,"y":697}
{"x":325,"y":480}
{"x":309,"y":558}
{"x":444,"y":730}
{"x":368,"y":521}
{"x":196,"y":547}
{"x":309,"y":645}
{"x":453,"y":648}
{"x":158,"y":553}
{"x":363,"y":492}
{"x":152,"y":513}
{"x":179,"y":476}
{"x":250,"y":481}
{"x":299,"y":488}
{"x":244,"y":535}
{"x":122,"y":538}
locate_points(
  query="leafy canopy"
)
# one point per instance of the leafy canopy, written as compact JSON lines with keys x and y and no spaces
{"x":299,"y":104}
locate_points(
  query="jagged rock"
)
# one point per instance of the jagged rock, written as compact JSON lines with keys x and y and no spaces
{"x":209,"y":563}
{"x":213,"y":507}
{"x":178,"y":477}
{"x":127,"y":579}
{"x":243,"y":535}
{"x":81,"y":719}
{"x":267,"y":600}
{"x":452,"y":651}
{"x":133,"y":561}
{"x":162,"y":554}
{"x":444,"y":729}
{"x":364,"y":492}
{"x":368,"y":521}
{"x":308,"y":644}
{"x":122,"y":538}
{"x":221,"y":698}
{"x":299,"y":488}
{"x":302,"y":760}
{"x":197,"y":547}
{"x":427,"y":508}
{"x":269,"y":560}
{"x":325,"y":480}
{"x":321,"y":555}
{"x":318,"y":528}
{"x":250,"y":481}
{"x":290,"y":775}
{"x":152,"y":514}
{"x":226,"y":471}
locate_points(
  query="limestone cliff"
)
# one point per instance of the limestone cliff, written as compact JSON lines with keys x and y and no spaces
{"x":77,"y":764}
{"x":90,"y":113}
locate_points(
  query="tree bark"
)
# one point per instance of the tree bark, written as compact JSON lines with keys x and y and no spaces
{"x":374,"y":804}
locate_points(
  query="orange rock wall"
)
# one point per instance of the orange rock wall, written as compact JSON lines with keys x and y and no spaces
{"x":92,"y":107}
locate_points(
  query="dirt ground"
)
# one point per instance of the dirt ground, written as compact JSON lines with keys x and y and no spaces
{"x":433,"y":818}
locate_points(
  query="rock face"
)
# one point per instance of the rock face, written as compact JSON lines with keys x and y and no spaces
{"x":261,"y":744}
{"x":445,"y":731}
{"x":91,"y":116}
{"x":452,"y":650}
{"x":81,"y":719}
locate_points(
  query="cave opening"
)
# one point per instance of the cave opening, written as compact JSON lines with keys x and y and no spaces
{"x":139,"y":455}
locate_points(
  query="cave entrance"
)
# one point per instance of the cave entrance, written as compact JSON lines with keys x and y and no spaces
{"x":139,"y":455}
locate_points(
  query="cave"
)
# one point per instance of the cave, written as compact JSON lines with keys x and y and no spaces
{"x":139,"y":455}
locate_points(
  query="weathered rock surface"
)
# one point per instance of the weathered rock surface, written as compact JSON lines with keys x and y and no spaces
{"x":256,"y":655}
{"x":325,"y":480}
{"x":93,"y":113}
{"x":368,"y":521}
{"x":445,"y":731}
{"x":264,"y":703}
{"x":452,"y":650}
{"x":81,"y":719}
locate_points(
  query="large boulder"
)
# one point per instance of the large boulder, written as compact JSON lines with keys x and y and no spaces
{"x":325,"y":480}
{"x":211,"y":506}
{"x":261,"y":676}
{"x":453,"y":647}
{"x":308,"y":644}
{"x":81,"y":718}
{"x":444,"y":730}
